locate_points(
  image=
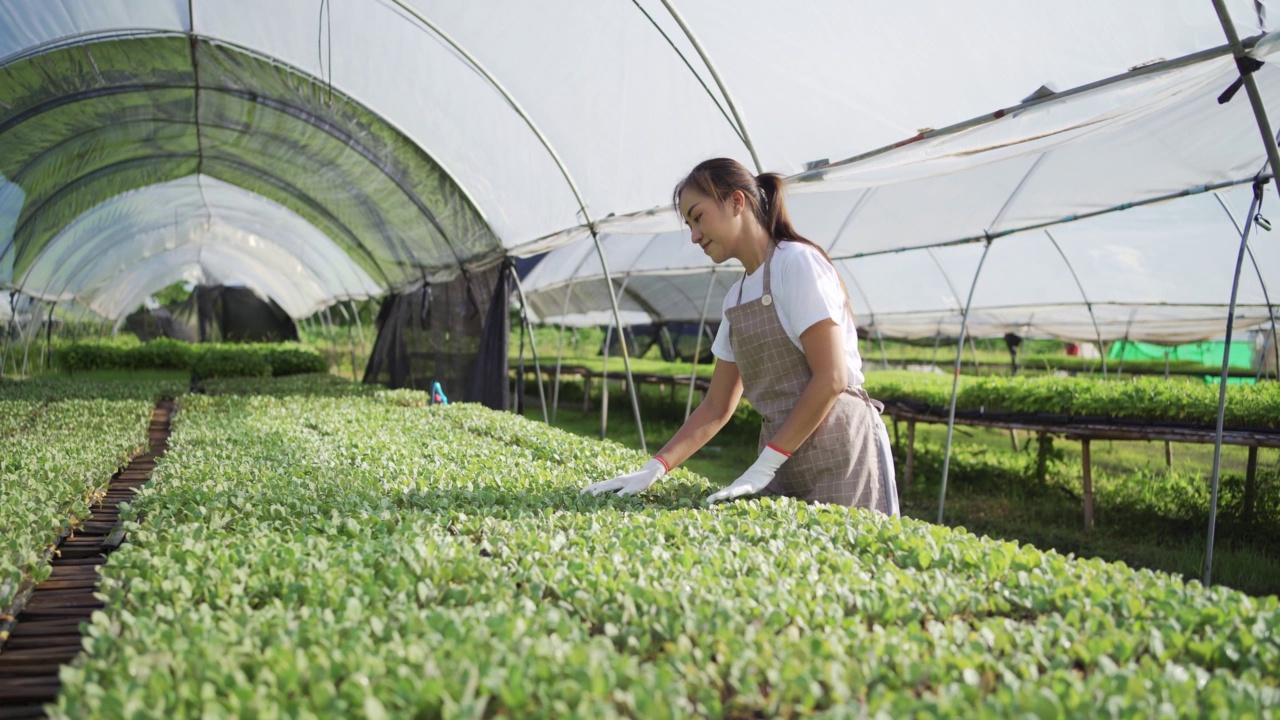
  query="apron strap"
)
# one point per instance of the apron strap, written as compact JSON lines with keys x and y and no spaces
{"x":768,"y":286}
{"x":862,"y":393}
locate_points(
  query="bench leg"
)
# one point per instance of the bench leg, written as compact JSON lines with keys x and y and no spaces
{"x":1088,"y":485}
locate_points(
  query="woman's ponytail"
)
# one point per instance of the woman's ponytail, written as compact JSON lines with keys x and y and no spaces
{"x":719,"y":177}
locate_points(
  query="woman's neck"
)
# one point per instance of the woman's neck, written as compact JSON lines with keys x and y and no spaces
{"x":754,"y":249}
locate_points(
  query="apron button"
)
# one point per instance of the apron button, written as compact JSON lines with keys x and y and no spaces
{"x":767,"y":300}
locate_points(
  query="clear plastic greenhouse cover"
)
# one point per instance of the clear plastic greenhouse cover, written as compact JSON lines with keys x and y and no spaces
{"x":322,"y":151}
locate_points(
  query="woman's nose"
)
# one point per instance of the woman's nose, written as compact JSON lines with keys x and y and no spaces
{"x":695,"y":235}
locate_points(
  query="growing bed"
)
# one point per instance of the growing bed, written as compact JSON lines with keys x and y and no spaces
{"x":356,"y":552}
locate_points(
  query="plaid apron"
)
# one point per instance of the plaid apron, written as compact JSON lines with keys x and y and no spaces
{"x":846,"y":460}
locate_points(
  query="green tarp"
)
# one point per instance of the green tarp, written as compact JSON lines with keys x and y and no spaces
{"x":1206,"y":353}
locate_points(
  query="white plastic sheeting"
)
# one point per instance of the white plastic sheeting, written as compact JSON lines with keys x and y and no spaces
{"x":197,"y":229}
{"x":608,"y":86}
{"x":894,"y":221}
{"x":1158,"y":273}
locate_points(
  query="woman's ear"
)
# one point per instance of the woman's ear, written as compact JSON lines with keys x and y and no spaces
{"x":738,"y":200}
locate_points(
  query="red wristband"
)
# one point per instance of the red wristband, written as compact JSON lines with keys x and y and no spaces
{"x":777,"y":449}
{"x":664,"y":463}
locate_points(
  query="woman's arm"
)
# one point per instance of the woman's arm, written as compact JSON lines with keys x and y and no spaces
{"x":711,"y":415}
{"x":823,"y":344}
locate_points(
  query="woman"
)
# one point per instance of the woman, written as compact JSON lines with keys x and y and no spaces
{"x":788,"y":341}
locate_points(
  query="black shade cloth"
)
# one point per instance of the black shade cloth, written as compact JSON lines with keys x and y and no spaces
{"x":149,"y":324}
{"x":217,"y":313}
{"x":682,"y":342}
{"x":675,"y":341}
{"x":454,"y":333}
{"x":639,"y":339}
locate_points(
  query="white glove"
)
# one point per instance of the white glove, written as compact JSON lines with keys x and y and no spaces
{"x":756,"y":478}
{"x":631,"y":483}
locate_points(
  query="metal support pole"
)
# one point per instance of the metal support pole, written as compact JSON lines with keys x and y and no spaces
{"x":48,"y":337}
{"x":911,"y":458}
{"x":533,"y":344}
{"x":955,"y":383}
{"x":351,"y":343}
{"x":1222,"y":388}
{"x":1087,"y":484}
{"x":697,"y":345}
{"x":26,"y":344}
{"x":1250,"y":485}
{"x":328,"y":330}
{"x":1124,"y":347}
{"x":1088,"y":305}
{"x":604,"y":379}
{"x":359,"y":330}
{"x":1265,"y":296}
{"x":564,"y":172}
{"x":626,"y":356}
{"x":1168,"y":446}
{"x":555,"y":388}
{"x":9,"y":327}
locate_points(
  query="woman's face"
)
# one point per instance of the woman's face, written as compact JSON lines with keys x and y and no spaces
{"x":714,"y":227}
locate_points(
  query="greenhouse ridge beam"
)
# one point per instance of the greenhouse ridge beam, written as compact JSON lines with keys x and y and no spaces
{"x":564,"y":171}
{"x":1183,"y":61}
{"x":1240,"y":51}
{"x":969,"y":240}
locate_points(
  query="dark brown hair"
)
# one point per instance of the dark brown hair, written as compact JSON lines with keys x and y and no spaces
{"x":717,"y":178}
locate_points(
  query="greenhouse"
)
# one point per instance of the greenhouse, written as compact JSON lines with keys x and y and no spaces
{"x":278,"y":281}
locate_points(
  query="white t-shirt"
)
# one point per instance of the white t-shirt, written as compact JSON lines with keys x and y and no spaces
{"x":806,"y":290}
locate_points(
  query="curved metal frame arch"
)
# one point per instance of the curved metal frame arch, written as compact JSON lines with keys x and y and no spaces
{"x":706,"y":60}
{"x":736,"y":130}
{"x":1265,"y":295}
{"x":346,"y":139}
{"x":270,"y":178}
{"x":884,"y":356}
{"x":84,"y":265}
{"x":955,"y":383}
{"x":857,"y":207}
{"x":301,"y":114}
{"x":697,"y":345}
{"x":143,"y":33}
{"x":564,"y":171}
{"x":1088,"y":305}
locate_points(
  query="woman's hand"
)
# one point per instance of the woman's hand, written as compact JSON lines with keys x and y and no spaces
{"x":756,"y":478}
{"x":631,"y":483}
